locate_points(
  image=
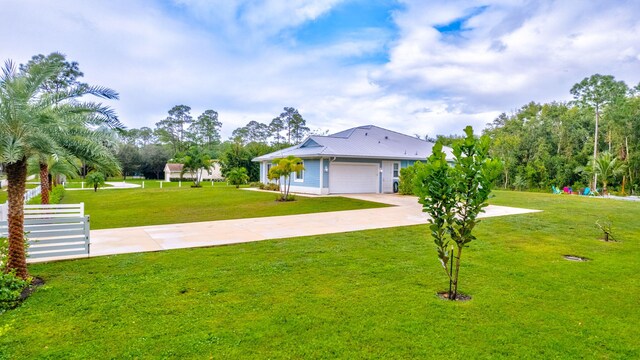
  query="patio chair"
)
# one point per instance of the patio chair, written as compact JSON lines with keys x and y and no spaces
{"x":555,"y":190}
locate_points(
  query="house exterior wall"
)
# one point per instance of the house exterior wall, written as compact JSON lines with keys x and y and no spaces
{"x":316,"y":180}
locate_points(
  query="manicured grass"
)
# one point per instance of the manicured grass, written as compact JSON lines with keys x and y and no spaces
{"x":153,"y":206}
{"x":368,"y":294}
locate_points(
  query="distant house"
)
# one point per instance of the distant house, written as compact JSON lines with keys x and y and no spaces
{"x":172,"y":171}
{"x":365,"y":159}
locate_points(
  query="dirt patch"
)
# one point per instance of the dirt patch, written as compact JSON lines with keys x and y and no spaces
{"x":575,"y":258}
{"x":460,"y":297}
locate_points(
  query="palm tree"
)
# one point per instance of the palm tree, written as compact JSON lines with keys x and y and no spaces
{"x":34,"y":123}
{"x":284,"y":168}
{"x":237,"y":176}
{"x":194,"y":163}
{"x":607,"y":167}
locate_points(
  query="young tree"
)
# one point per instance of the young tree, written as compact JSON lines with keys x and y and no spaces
{"x":454,"y":196}
{"x":282,"y":170}
{"x":95,"y":179}
{"x":237,"y":176}
{"x":35,"y":122}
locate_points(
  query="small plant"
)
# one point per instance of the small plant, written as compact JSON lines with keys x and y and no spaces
{"x":11,"y":288}
{"x":237,"y":176}
{"x":605,"y":227}
{"x":96,"y":179}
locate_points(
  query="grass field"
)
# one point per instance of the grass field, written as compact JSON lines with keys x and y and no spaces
{"x":368,"y":294}
{"x":169,"y":205}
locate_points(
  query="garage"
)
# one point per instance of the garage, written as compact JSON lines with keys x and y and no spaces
{"x":350,"y":178}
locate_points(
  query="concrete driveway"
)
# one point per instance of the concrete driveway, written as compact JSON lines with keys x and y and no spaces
{"x":406,"y":211}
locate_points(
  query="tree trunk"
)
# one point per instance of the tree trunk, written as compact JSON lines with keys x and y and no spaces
{"x":44,"y":184}
{"x":595,"y":150}
{"x":456,"y":273}
{"x":17,"y":177}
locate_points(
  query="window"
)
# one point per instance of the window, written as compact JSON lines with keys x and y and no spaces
{"x":396,"y":169}
{"x":299,"y":175}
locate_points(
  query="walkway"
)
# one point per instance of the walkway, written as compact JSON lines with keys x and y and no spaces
{"x":211,"y":233}
{"x":112,"y":185}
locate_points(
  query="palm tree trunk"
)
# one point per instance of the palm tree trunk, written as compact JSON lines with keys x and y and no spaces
{"x":17,"y":176}
{"x":44,"y":184}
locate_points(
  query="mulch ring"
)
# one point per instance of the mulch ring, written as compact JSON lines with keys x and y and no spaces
{"x":36,"y":282}
{"x":444,"y":295}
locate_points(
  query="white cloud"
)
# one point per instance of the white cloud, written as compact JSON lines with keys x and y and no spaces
{"x":238,"y":58}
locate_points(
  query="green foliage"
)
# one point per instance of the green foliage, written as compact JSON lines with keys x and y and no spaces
{"x":545,"y":143}
{"x":57,"y":194}
{"x":282,"y":171}
{"x":95,"y":179}
{"x":11,"y":288}
{"x":195,"y":162}
{"x":407,"y":176}
{"x":237,"y":177}
{"x":455,"y":196}
{"x":607,"y":167}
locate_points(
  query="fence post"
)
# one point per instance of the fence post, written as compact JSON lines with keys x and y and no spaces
{"x":161,"y":184}
{"x":87,"y":233}
{"x":180,"y":183}
{"x":143,"y":184}
{"x":82,"y":184}
{"x":4,"y":208}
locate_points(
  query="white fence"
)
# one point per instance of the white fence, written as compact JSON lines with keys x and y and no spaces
{"x":31,"y":193}
{"x":55,"y":237}
{"x":54,"y":231}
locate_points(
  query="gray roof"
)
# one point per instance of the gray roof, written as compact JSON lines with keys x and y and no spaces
{"x":367,"y":141}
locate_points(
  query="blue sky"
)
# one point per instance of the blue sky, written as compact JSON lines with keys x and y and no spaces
{"x":418,"y":67}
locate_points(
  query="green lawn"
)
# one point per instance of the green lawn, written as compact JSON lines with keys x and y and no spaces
{"x":169,"y":205}
{"x":368,"y":294}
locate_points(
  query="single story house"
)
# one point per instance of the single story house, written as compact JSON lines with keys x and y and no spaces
{"x":172,"y":171}
{"x":364,"y":159}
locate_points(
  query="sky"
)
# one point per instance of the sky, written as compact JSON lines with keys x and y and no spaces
{"x":417,"y":67}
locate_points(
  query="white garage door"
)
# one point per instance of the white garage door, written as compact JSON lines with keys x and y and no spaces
{"x":345,"y":178}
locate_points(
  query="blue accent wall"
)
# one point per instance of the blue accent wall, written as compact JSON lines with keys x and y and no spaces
{"x":311,"y":174}
{"x":325,"y":174}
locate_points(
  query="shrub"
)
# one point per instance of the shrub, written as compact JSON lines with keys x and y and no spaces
{"x":270,"y":187}
{"x":405,"y":185}
{"x":11,"y":288}
{"x":255,"y":184}
{"x":57,"y":194}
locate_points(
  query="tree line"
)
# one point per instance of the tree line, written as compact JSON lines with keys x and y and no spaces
{"x":591,"y":141}
{"x":182,"y":138}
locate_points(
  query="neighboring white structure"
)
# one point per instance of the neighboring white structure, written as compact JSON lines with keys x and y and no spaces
{"x":172,"y":171}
